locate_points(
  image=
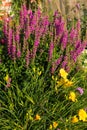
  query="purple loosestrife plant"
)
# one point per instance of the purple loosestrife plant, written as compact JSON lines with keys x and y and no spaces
{"x":27,"y":29}
{"x":25,"y":12}
{"x":13,"y":55}
{"x":64,"y":40}
{"x":73,"y":35}
{"x":9,"y":43}
{"x":17,"y":35}
{"x":35,"y":32}
{"x":80,"y":46}
{"x":18,"y":55}
{"x":64,"y":64}
{"x":36,"y":43}
{"x":21,"y":18}
{"x":59,"y":26}
{"x":5,"y":27}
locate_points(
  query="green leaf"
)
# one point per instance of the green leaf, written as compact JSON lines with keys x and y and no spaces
{"x":30,"y":99}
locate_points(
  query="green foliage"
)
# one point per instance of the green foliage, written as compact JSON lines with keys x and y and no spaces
{"x":34,"y":91}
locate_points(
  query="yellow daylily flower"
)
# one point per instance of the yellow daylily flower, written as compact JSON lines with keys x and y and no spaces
{"x":55,"y":124}
{"x":82,"y":115}
{"x":63,"y":73}
{"x":72,"y":96}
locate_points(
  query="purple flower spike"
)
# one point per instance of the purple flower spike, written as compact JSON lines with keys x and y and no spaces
{"x":80,"y":90}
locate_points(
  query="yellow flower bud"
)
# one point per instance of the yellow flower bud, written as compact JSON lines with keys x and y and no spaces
{"x":37,"y":117}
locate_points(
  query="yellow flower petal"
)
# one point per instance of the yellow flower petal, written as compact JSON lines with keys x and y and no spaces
{"x":68,"y":83}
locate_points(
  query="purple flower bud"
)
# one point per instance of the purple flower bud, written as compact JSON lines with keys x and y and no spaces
{"x":80,"y":90}
{"x":78,"y":6}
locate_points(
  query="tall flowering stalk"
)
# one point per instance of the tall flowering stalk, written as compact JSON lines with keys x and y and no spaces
{"x":51,"y":51}
{"x":35,"y":31}
{"x":59,"y":26}
{"x":73,"y":35}
{"x":56,"y":63}
{"x":17,"y":35}
{"x":9,"y":44}
{"x":13,"y":49}
{"x":64,"y":40}
{"x":27,"y":58}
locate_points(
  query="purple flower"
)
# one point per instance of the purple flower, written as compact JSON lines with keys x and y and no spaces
{"x":59,"y":26}
{"x":73,"y":55}
{"x":9,"y":43}
{"x":64,"y":63}
{"x":21,"y":18}
{"x":13,"y":54}
{"x":73,"y":34}
{"x":78,"y":44}
{"x":80,"y":90}
{"x":18,"y":54}
{"x":51,"y":50}
{"x":17,"y":36}
{"x":64,"y":39}
{"x":35,"y":47}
